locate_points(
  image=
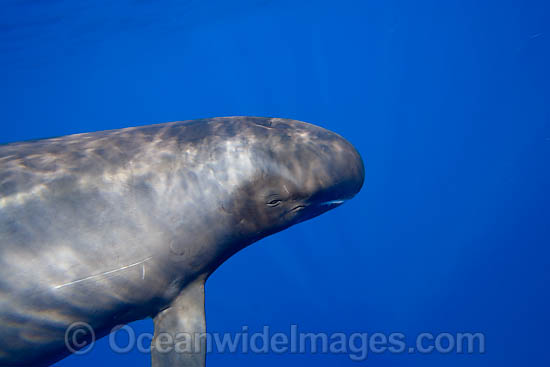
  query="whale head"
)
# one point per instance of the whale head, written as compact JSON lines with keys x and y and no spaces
{"x":245,"y":178}
{"x":299,"y":171}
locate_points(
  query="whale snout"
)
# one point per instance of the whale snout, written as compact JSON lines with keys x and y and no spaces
{"x":348,"y":170}
{"x":343,"y":172}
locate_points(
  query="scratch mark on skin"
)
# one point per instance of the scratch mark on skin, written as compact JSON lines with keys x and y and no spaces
{"x":105,"y":273}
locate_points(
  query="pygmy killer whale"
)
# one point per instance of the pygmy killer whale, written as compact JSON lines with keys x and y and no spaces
{"x":109,"y":227}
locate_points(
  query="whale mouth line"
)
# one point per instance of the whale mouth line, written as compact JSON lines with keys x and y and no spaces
{"x":333,"y":202}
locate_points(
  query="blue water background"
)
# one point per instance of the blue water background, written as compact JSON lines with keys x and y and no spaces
{"x":447,"y":101}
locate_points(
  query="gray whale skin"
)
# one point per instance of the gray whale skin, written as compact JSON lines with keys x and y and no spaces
{"x":109,"y":227}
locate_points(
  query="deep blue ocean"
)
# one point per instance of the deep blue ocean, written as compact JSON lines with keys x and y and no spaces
{"x":448,"y":102}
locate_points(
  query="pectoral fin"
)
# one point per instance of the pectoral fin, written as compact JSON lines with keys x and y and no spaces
{"x":179,"y":338}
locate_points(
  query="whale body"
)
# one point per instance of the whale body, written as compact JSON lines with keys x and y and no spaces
{"x":109,"y":227}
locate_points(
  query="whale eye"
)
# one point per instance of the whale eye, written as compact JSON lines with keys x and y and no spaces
{"x":273,"y":202}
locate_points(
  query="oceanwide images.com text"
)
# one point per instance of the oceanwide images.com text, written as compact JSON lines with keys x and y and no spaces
{"x":80,"y":339}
